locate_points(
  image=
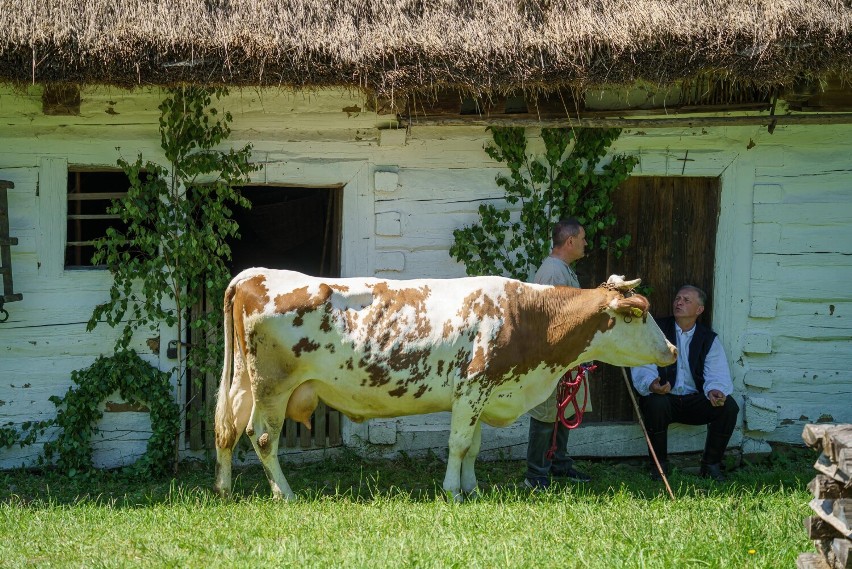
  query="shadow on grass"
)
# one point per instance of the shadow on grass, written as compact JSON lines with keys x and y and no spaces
{"x":349,"y":476}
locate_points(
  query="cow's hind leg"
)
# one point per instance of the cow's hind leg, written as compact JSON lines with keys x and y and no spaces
{"x":266,"y":431}
{"x":463,"y":425}
{"x":468,"y":475}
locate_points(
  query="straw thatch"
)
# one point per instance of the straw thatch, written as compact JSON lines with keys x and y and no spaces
{"x":392,"y":47}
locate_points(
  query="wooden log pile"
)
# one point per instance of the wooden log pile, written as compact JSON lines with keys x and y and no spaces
{"x":831,"y":526}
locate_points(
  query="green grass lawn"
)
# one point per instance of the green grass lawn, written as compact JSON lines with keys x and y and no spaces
{"x":354,"y":512}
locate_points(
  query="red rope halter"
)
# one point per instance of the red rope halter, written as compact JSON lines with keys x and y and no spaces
{"x":566,"y":392}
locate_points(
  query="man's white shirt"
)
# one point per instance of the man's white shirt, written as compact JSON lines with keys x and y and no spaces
{"x":717,"y":375}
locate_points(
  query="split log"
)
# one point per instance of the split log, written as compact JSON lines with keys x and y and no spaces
{"x":842,"y":559}
{"x":812,"y":561}
{"x":830,"y":469}
{"x":818,"y":528}
{"x":835,"y":442}
{"x":836,"y":513}
{"x":824,"y":487}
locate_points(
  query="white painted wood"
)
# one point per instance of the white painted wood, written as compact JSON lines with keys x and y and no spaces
{"x":757,"y":343}
{"x":783,"y":251}
{"x":386,"y":181}
{"x":392,"y":137}
{"x":390,"y":261}
{"x":763,"y":307}
{"x":760,"y":378}
{"x":768,"y":193}
{"x":53,"y":189}
{"x":761,"y":414}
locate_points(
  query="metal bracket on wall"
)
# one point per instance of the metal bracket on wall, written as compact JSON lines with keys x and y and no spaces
{"x":5,"y":253}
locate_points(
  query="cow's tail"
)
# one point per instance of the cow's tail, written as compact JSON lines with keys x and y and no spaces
{"x":226,"y":431}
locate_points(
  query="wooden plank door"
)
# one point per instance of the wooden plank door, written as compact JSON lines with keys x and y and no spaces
{"x":672,"y":223}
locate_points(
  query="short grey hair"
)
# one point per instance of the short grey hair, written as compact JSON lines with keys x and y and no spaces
{"x":702,"y":296}
{"x":565,"y":228}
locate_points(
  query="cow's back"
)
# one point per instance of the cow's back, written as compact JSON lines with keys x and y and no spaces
{"x":369,"y":347}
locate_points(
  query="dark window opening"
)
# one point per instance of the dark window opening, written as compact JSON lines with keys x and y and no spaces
{"x":89,"y":196}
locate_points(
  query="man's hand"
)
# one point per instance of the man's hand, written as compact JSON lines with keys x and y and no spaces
{"x":716,"y":397}
{"x":660,"y":389}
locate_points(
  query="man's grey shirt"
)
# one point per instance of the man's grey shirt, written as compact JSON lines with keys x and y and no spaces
{"x":553,"y":271}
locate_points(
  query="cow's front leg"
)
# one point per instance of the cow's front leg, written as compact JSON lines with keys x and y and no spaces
{"x":463,"y":425}
{"x":468,"y":474}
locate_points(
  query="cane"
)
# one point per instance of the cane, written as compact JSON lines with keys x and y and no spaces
{"x":645,"y":432}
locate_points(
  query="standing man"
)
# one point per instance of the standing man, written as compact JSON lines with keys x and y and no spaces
{"x":569,"y":245}
{"x":695,"y":390}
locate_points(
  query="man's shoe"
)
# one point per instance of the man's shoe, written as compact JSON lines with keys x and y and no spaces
{"x":712,"y":471}
{"x":537,"y":484}
{"x":572,"y":474}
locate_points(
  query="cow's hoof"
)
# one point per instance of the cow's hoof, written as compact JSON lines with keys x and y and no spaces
{"x":473,"y":495}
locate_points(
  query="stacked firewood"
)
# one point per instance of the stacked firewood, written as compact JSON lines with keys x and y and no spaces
{"x":831,"y":527}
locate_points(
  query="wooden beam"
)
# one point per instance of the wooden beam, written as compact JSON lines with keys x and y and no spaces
{"x":617,"y":122}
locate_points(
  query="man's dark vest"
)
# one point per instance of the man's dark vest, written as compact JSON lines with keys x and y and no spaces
{"x":699,"y":347}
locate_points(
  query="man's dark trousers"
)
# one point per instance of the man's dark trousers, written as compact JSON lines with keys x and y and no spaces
{"x":659,"y":411}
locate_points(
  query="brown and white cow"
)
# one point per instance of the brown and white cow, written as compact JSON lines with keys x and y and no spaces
{"x":485,"y":348}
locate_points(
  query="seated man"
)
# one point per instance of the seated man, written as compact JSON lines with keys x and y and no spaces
{"x":695,"y":390}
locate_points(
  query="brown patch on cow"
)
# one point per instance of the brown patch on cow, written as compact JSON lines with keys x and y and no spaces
{"x":478,"y":362}
{"x":301,"y":301}
{"x":330,"y":347}
{"x":387,"y":320}
{"x":478,"y":305}
{"x":350,"y":364}
{"x":440,"y":367}
{"x":305,"y":345}
{"x":398,"y":392}
{"x":448,"y":330}
{"x":339,"y":287}
{"x":420,"y":391}
{"x":551,"y":326}
{"x":245,"y":298}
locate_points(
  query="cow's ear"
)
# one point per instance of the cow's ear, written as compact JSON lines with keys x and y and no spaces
{"x":634,"y":306}
{"x":617,"y":282}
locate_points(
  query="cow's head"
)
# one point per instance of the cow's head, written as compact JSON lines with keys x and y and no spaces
{"x":630,"y":337}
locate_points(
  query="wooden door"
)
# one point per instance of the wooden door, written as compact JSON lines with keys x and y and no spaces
{"x":672,"y":223}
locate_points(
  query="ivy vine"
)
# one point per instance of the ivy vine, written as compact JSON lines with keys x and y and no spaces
{"x":560,"y":183}
{"x":172,"y":253}
{"x":178,"y":219}
{"x":138,"y":382}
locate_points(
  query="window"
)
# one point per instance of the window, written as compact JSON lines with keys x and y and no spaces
{"x":90,"y":194}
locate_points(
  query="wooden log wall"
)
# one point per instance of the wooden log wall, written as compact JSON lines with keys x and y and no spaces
{"x":830,"y":528}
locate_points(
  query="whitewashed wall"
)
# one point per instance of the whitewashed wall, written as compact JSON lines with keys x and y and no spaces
{"x":783,"y":248}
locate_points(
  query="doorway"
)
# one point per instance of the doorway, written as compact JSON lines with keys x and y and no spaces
{"x":672,"y":223}
{"x":292,"y":228}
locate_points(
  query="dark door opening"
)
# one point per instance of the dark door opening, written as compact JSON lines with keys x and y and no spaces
{"x":672,"y":223}
{"x":289,"y":228}
{"x":286,"y":228}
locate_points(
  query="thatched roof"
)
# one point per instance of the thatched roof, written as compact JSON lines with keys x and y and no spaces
{"x":393,"y":47}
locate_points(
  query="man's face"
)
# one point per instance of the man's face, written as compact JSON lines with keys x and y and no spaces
{"x":687,"y":305}
{"x":574,"y":247}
